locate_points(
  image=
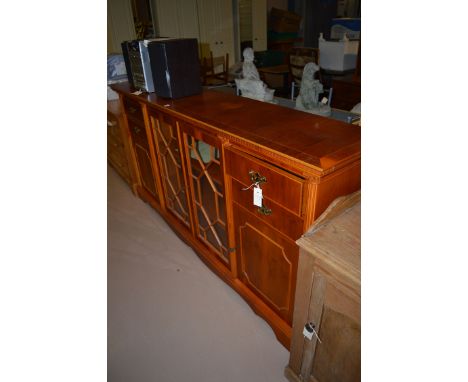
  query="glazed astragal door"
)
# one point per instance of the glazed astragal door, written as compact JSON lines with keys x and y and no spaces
{"x":143,"y":158}
{"x":166,"y":134}
{"x":205,"y":171}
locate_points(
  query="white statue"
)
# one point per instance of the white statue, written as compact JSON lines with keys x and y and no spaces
{"x":308,"y":99}
{"x":250,"y":85}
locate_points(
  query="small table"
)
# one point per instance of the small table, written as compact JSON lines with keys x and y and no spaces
{"x":277,"y":70}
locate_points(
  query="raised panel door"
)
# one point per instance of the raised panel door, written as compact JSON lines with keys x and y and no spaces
{"x":166,"y":135}
{"x":267,"y":261}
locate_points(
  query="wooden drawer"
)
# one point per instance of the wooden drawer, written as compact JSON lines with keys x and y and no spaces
{"x":133,"y":110}
{"x":281,"y":219}
{"x":280,"y":186}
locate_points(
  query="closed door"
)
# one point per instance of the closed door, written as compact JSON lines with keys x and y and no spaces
{"x":143,"y":158}
{"x":166,"y":135}
{"x":216,"y":27}
{"x":205,"y":169}
{"x":267,"y":261}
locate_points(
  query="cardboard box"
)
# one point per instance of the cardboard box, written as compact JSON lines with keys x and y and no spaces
{"x":284,"y":21}
{"x":352,"y":28}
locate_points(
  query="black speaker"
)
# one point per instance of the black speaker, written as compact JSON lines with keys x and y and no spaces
{"x":127,"y":46}
{"x":175,"y":67}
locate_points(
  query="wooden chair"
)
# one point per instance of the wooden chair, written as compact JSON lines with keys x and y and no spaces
{"x":215,"y":70}
{"x":298,"y":58}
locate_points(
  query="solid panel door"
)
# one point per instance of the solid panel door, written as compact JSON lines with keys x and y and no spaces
{"x":259,"y":25}
{"x":335,"y":312}
{"x":205,"y":171}
{"x":266,"y":261}
{"x":167,"y":138}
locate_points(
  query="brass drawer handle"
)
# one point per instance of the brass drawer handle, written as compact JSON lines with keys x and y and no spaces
{"x":264,"y":210}
{"x":255,"y":177}
{"x":136,"y":129}
{"x":111,"y":123}
{"x":132,"y":110}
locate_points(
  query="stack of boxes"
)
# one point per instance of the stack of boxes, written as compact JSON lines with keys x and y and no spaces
{"x":283,"y":29}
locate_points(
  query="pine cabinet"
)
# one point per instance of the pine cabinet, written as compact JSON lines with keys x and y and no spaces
{"x":198,"y":160}
{"x":328,"y":298}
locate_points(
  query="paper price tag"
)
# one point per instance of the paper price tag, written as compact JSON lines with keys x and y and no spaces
{"x":307,"y":334}
{"x":257,"y":196}
{"x":324,"y":100}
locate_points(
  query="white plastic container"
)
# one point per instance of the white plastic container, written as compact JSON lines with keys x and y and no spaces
{"x":338,"y":56}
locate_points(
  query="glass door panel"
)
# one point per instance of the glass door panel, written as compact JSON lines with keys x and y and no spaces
{"x":166,"y":136}
{"x":205,"y":171}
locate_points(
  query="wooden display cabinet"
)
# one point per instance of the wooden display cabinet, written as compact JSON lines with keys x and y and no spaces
{"x":166,"y":135}
{"x":142,"y":155}
{"x":197,"y":165}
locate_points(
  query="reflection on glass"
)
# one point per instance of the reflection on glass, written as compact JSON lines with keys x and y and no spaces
{"x":206,"y":174}
{"x":172,"y":174}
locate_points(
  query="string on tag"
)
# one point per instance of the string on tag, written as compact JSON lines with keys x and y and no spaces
{"x":256,"y":184}
{"x":316,"y":334}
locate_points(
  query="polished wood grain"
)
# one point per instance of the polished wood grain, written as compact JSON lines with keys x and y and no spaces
{"x":280,"y":218}
{"x":346,"y":93}
{"x":204,"y":147}
{"x":267,"y":262}
{"x":167,"y":138}
{"x":205,"y":169}
{"x":116,"y":142}
{"x":328,"y":295}
{"x":315,"y":143}
{"x":239,"y":165}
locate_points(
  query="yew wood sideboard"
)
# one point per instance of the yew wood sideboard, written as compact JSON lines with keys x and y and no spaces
{"x":197,"y":159}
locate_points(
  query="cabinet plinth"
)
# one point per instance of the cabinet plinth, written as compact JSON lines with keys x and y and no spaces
{"x":198,"y":160}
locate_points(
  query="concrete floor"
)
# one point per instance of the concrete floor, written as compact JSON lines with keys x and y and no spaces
{"x":170,"y":318}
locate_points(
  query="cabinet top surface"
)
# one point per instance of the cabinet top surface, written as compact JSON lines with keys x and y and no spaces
{"x":335,"y":237}
{"x":317,"y":141}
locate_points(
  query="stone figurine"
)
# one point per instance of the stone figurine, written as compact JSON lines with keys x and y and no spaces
{"x":308,"y":99}
{"x":250,"y":85}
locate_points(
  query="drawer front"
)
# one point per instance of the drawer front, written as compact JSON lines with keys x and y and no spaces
{"x":279,"y":218}
{"x":280,"y":186}
{"x":133,"y":110}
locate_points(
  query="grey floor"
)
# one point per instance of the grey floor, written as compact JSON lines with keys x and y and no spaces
{"x":170,"y":318}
